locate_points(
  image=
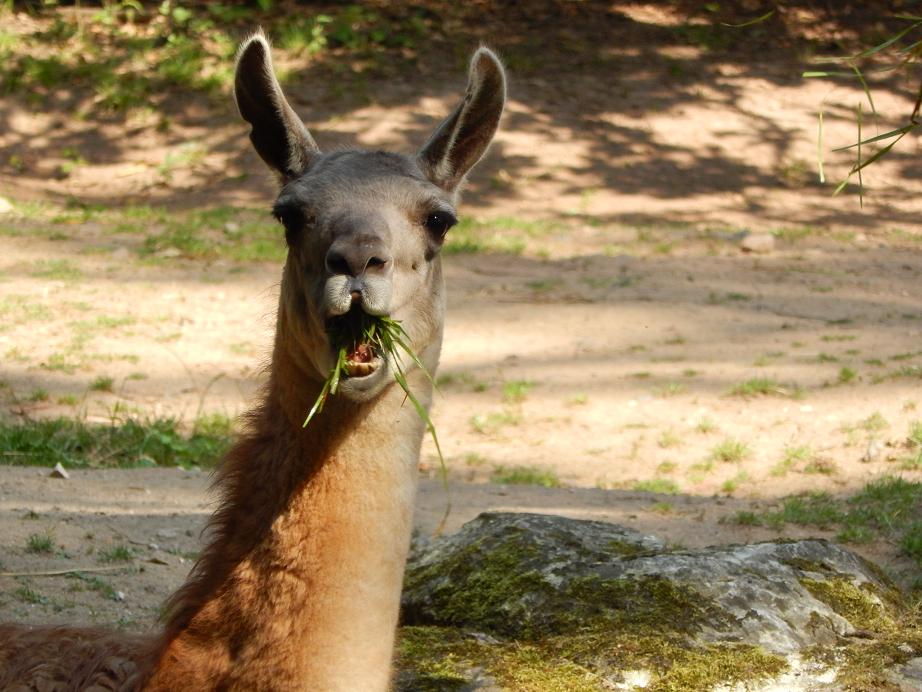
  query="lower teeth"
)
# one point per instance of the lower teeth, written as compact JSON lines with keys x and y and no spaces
{"x":359,"y":369}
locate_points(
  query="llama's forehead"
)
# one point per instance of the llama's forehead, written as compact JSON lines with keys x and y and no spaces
{"x":362,"y":177}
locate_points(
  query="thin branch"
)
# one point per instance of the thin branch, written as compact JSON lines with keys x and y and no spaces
{"x":59,"y":572}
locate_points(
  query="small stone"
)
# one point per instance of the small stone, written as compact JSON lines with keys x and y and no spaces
{"x":760,"y":243}
{"x":169,"y":252}
{"x":6,"y":206}
{"x":59,"y":472}
{"x":119,"y":595}
{"x":483,"y":638}
{"x":153,"y":546}
{"x":231,"y":227}
{"x":912,"y":670}
{"x":167,"y":533}
{"x":873,"y":451}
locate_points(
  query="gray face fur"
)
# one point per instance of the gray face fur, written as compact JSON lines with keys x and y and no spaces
{"x":364,"y":229}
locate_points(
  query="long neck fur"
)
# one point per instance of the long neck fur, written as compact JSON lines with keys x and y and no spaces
{"x":299,"y":585}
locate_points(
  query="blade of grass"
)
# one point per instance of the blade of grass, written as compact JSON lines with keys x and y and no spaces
{"x":318,"y":405}
{"x":819,"y":150}
{"x":337,"y":370}
{"x":886,"y":135}
{"x":860,"y":174}
{"x":868,"y":162}
{"x":750,"y":22}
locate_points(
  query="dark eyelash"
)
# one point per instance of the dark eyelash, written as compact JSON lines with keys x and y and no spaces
{"x":439,"y":222}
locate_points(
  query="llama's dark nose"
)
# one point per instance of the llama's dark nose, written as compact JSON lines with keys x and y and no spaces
{"x":357,"y":256}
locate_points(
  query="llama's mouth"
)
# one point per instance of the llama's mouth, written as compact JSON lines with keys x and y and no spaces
{"x":362,"y":360}
{"x":352,"y":341}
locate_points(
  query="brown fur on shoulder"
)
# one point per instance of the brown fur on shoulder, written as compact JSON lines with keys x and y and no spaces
{"x":66,"y":659}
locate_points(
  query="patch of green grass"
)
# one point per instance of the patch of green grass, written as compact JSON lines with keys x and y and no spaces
{"x":667,"y":467}
{"x":846,"y":375}
{"x":874,"y":423}
{"x":117,"y":553}
{"x":816,"y":509}
{"x":121,"y":443}
{"x":765,"y":386}
{"x":670,"y":389}
{"x":914,"y":437}
{"x":461,"y":379}
{"x":706,"y":425}
{"x":93,"y":583}
{"x":825,"y":467}
{"x":544,"y":285}
{"x":27,"y":594}
{"x":215,"y":424}
{"x":40,"y":543}
{"x":526,"y":475}
{"x":18,"y":309}
{"x":57,"y":269}
{"x":580,"y":399}
{"x":474,"y":459}
{"x":838,"y":337}
{"x":500,"y":236}
{"x":826,"y":358}
{"x":103,"y":383}
{"x":668,"y":438}
{"x":792,"y":456}
{"x":515,"y":391}
{"x":665,"y":486}
{"x":743,"y":518}
{"x":730,"y":450}
{"x":37,"y":395}
{"x":731,"y":485}
{"x":494,"y":422}
{"x":888,"y":507}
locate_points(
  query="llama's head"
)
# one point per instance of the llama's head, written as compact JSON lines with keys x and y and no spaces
{"x":364,"y":228}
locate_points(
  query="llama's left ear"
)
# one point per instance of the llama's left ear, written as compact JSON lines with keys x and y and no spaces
{"x":278,"y":135}
{"x":464,"y":136}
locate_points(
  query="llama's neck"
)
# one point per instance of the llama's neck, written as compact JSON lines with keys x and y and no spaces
{"x":299,"y":588}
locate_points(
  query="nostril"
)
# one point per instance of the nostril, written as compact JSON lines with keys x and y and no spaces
{"x":375,"y":262}
{"x":337,"y":263}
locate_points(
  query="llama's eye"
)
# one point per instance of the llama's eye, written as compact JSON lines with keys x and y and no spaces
{"x":438,"y":222}
{"x":292,"y":218}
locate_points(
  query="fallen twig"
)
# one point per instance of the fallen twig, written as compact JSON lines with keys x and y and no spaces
{"x":59,"y":572}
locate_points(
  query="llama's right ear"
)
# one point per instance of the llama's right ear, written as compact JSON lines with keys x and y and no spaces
{"x":278,"y":134}
{"x":464,"y":136}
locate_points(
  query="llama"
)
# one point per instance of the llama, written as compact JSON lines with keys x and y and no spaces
{"x":298,"y":587}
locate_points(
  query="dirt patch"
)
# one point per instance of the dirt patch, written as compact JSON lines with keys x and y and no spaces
{"x":151,"y":521}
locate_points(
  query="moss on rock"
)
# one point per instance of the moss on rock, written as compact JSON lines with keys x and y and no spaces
{"x":439,"y":659}
{"x":571,"y":608}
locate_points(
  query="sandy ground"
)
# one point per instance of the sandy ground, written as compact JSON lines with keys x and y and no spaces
{"x":159,"y":514}
{"x":603,"y":354}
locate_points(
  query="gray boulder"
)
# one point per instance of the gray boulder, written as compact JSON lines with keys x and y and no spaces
{"x":632,"y":614}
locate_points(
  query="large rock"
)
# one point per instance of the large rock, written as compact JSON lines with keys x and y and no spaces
{"x":625,"y":612}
